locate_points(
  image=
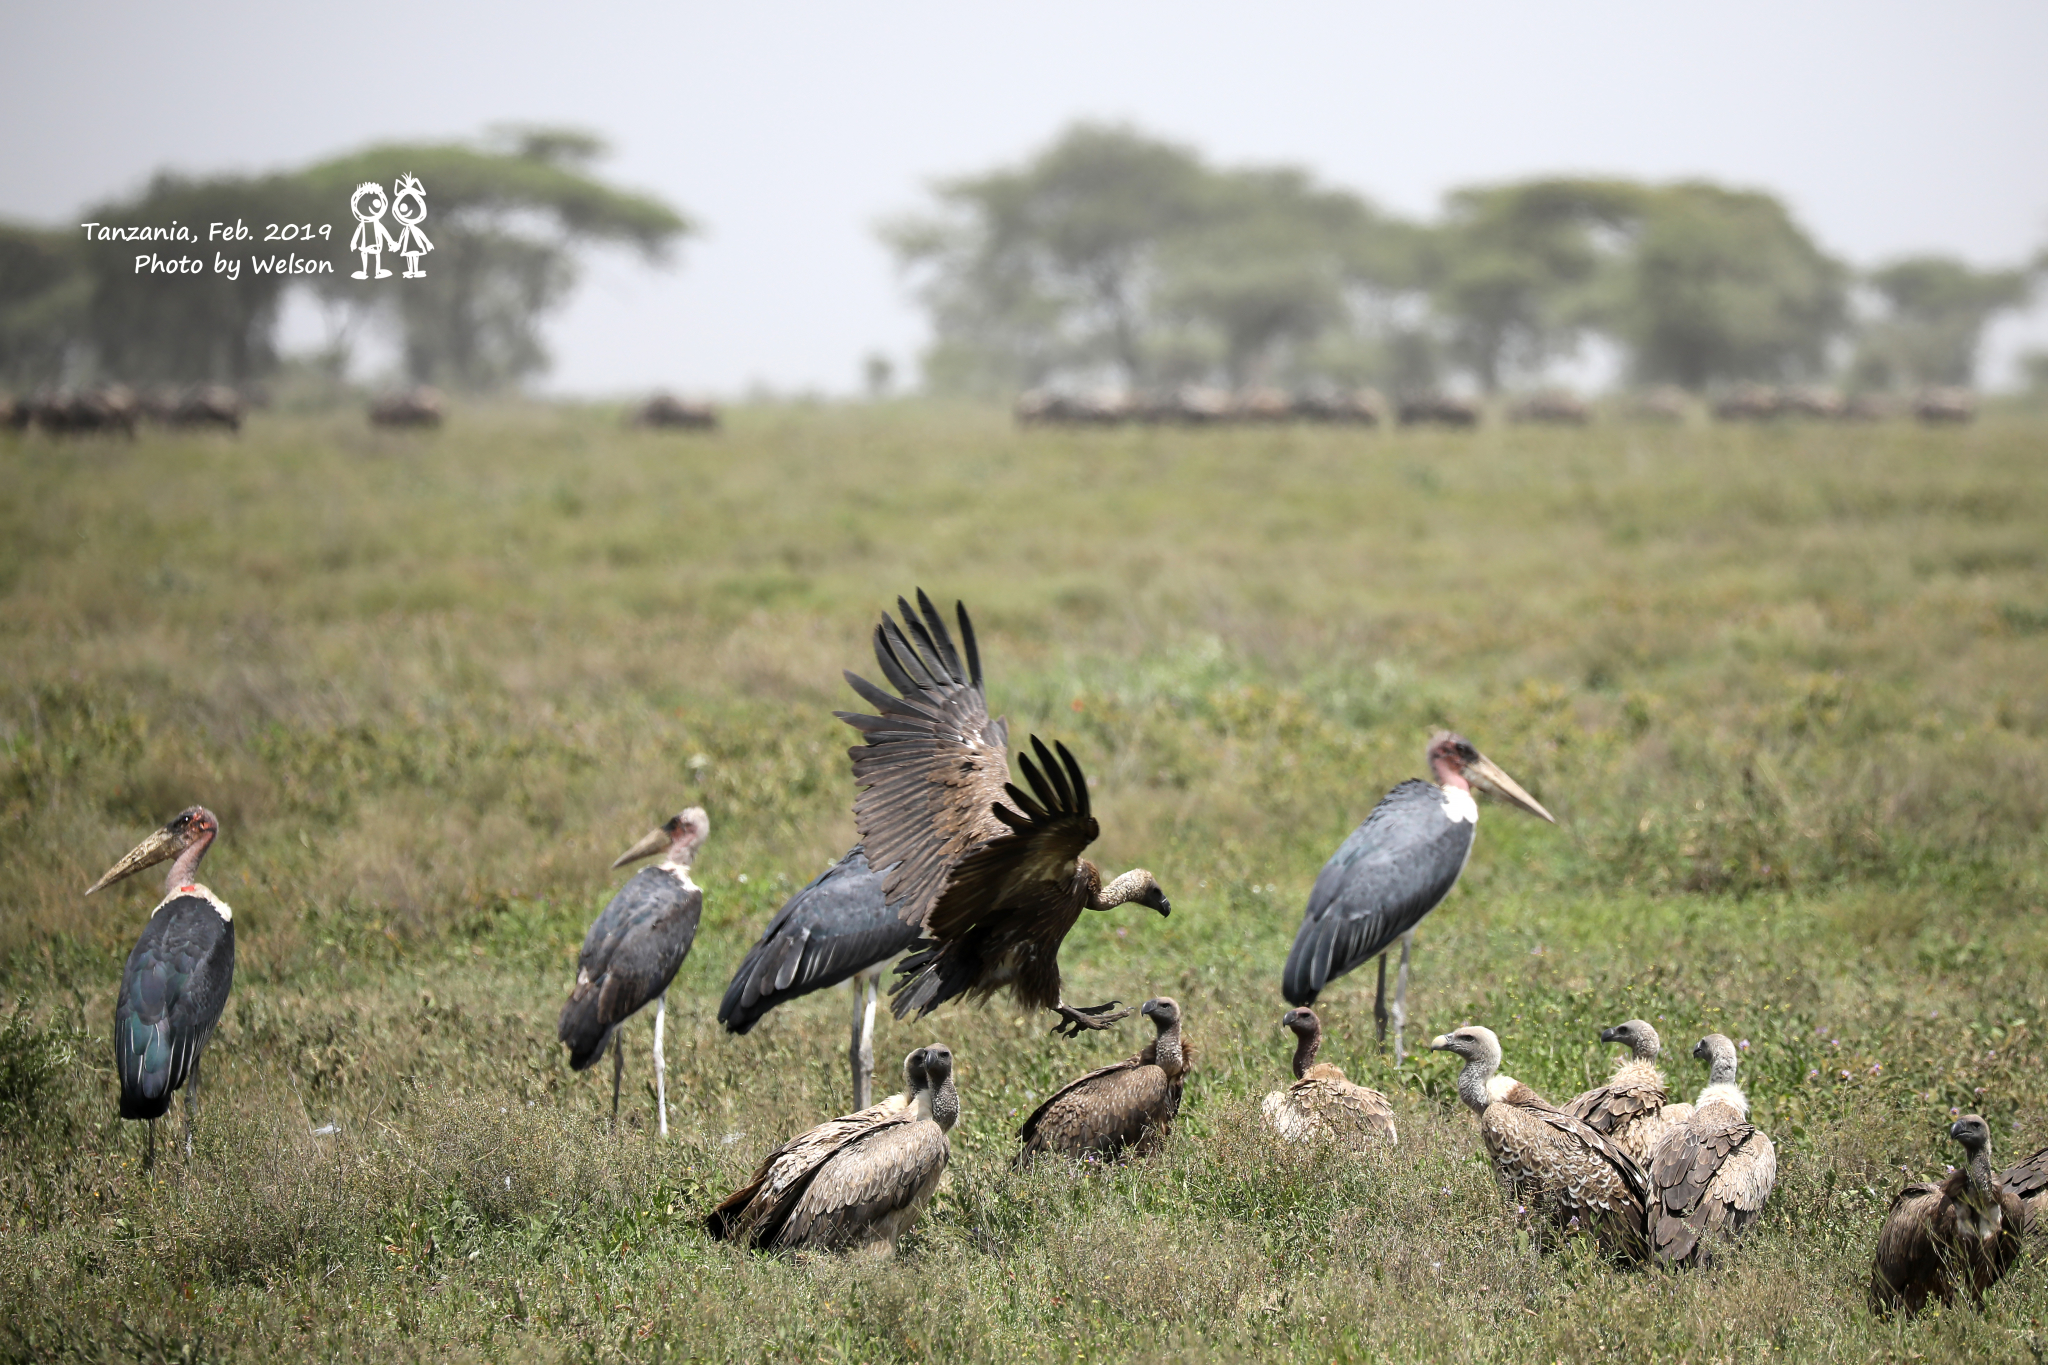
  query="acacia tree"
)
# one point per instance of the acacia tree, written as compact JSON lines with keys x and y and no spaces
{"x":1723,"y":285}
{"x":1936,"y":310}
{"x":44,"y":293}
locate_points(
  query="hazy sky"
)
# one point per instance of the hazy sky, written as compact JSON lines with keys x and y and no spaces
{"x":790,"y":130}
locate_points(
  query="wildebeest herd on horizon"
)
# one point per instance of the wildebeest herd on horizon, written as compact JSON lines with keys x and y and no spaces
{"x":969,"y":881}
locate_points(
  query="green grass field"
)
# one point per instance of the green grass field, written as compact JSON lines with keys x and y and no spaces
{"x":1783,"y":687}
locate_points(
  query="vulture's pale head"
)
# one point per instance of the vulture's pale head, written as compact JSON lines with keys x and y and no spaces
{"x":1163,"y":1011}
{"x":1637,"y":1036}
{"x":1972,"y":1132}
{"x":1473,"y":1043}
{"x":1303,"y":1021}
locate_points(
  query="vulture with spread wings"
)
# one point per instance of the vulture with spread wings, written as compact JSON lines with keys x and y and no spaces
{"x":991,"y":873}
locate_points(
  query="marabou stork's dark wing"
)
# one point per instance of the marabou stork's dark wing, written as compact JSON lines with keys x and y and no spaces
{"x":837,"y":926}
{"x":172,"y":992}
{"x":933,"y":764}
{"x":1378,"y":885}
{"x":1020,"y":884}
{"x":629,"y":956}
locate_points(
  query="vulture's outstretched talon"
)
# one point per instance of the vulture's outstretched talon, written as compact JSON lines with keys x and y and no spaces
{"x":1090,"y":1017}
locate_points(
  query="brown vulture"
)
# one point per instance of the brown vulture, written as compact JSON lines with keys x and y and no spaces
{"x":1321,"y":1102}
{"x":2029,"y":1180}
{"x":1633,"y":1107}
{"x":1711,"y":1173}
{"x":1964,"y":1233}
{"x":1553,"y":1164}
{"x":992,"y":874}
{"x":1126,"y":1107}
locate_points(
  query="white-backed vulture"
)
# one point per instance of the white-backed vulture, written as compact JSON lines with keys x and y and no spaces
{"x":753,"y":1214}
{"x":1710,"y":1175}
{"x":1126,"y":1107}
{"x":1964,"y":1233}
{"x":2029,"y":1180}
{"x":1545,"y":1159}
{"x":1321,"y":1102}
{"x":995,"y":889}
{"x":1634,"y":1106}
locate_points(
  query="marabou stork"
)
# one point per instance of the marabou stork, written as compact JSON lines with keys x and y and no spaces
{"x":836,"y":929}
{"x":177,"y":978}
{"x":1392,"y":871}
{"x":632,"y":952}
{"x":995,"y":889}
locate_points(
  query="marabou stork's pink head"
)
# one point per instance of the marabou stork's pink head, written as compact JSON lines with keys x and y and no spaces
{"x":681,"y":836}
{"x":1457,"y":764}
{"x":185,"y":838}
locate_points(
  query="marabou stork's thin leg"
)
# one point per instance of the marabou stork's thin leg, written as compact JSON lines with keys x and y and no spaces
{"x":1401,"y":993}
{"x":149,"y":1153}
{"x":618,"y":1070}
{"x":861,"y":1055}
{"x":660,"y":1064}
{"x":191,"y":1107}
{"x":1379,"y":1004}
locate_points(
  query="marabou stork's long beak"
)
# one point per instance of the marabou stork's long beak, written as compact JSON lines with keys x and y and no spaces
{"x":656,"y":841}
{"x":1487,"y":776}
{"x":151,"y":851}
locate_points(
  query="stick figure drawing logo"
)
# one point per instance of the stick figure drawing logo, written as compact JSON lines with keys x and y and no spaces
{"x":408,"y":204}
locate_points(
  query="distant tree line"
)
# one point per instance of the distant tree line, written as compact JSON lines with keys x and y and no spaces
{"x":506,"y":220}
{"x":1114,"y":257}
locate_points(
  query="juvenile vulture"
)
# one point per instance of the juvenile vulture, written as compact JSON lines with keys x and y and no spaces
{"x":995,"y":887}
{"x":1126,"y":1107}
{"x":1964,"y":1233}
{"x":2029,"y":1180}
{"x":869,"y":1187}
{"x":1633,"y":1107}
{"x":176,"y":982}
{"x":1556,"y":1165}
{"x":1321,"y":1102}
{"x":632,"y":952}
{"x":1710,"y":1174}
{"x":836,"y":929}
{"x":753,"y":1214}
{"x":1392,"y":870}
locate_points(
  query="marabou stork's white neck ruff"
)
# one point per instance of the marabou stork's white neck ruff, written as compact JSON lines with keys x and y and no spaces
{"x":176,"y":980}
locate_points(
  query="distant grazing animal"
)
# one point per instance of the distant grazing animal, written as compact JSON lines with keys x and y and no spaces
{"x":1709,"y":1175}
{"x":1437,"y":409}
{"x":1392,"y":870}
{"x":666,"y":410}
{"x":111,"y":410}
{"x":632,"y":952}
{"x":753,"y":1214}
{"x":861,"y":1191}
{"x":1962,"y":1234}
{"x":1322,"y":1103}
{"x":176,"y":982}
{"x":2029,"y":1180}
{"x":1552,"y":407}
{"x":15,"y":415}
{"x":1939,"y":407}
{"x":836,"y":929}
{"x":416,"y":407}
{"x":1749,"y":403}
{"x":1634,"y":1106}
{"x":209,"y":405}
{"x":1127,"y":1107}
{"x":995,"y":887}
{"x":1262,"y":405}
{"x":1825,"y":404}
{"x":1556,"y":1166}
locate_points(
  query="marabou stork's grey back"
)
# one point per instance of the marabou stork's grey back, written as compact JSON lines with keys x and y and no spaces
{"x":176,"y":980}
{"x":633,"y":951}
{"x":838,"y":928}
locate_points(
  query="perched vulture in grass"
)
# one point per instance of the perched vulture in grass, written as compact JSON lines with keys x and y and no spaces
{"x":1554,"y":1164}
{"x":1126,"y":1107}
{"x":992,"y":874}
{"x":857,"y":1181}
{"x":1633,"y":1107}
{"x":2029,"y":1180}
{"x":1709,"y":1175}
{"x":1964,"y":1233}
{"x":1321,"y":1102}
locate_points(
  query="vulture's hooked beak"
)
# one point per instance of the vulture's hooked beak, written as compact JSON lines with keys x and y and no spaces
{"x":151,"y":851}
{"x":1441,"y":1043}
{"x":1611,"y":1035}
{"x":1486,"y":775}
{"x":657,"y":839}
